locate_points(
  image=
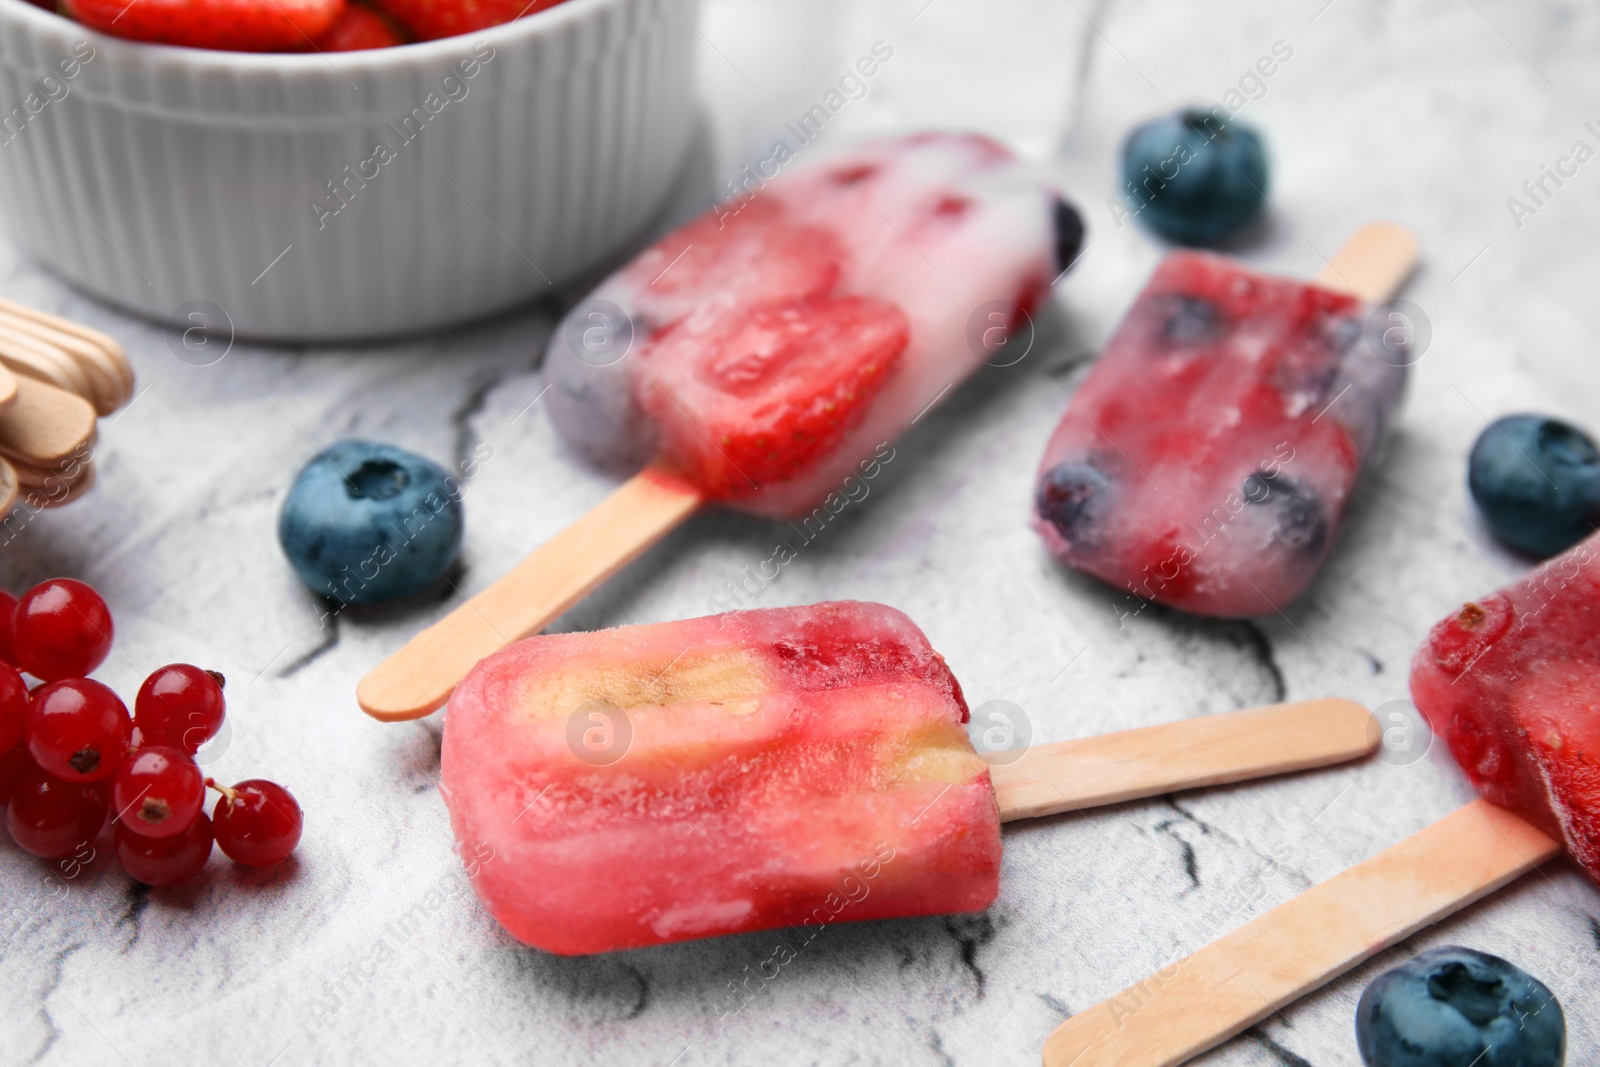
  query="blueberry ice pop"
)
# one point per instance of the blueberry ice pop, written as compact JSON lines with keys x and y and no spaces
{"x":1208,"y":459}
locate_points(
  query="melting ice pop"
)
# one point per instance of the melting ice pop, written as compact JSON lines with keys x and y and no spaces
{"x":788,"y":766}
{"x":1511,"y":682}
{"x":1207,"y":460}
{"x":760,"y":355}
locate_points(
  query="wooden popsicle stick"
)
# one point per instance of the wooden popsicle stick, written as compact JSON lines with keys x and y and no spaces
{"x":8,"y":388}
{"x":1208,"y":750}
{"x":1241,"y":978}
{"x":97,"y":365}
{"x":10,"y":488}
{"x":51,"y":496}
{"x":27,"y":355}
{"x":94,"y":337}
{"x":1373,"y":264}
{"x":45,"y":425}
{"x":32,"y":477}
{"x":419,"y":678}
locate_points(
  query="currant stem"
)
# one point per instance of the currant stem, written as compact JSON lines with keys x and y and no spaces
{"x":231,"y":794}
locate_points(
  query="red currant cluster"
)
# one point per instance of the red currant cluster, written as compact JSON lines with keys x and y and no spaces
{"x":70,"y":754}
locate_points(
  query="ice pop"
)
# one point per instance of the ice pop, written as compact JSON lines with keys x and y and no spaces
{"x":780,"y":767}
{"x":1207,"y":460}
{"x":1511,"y":682}
{"x":776,"y":342}
{"x":762,"y":355}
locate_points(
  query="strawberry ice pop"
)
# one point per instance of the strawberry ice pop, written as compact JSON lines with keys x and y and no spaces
{"x":1511,"y":682}
{"x":780,"y":767}
{"x":777,"y":759}
{"x":762,"y":357}
{"x":1207,"y":460}
{"x":777,"y":340}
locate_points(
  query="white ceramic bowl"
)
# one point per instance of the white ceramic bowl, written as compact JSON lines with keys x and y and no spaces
{"x":168,"y":180}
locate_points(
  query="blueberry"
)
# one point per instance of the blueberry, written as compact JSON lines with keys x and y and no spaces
{"x":1456,"y":1007}
{"x":1069,"y":234}
{"x":1070,"y":497}
{"x":1537,"y":482}
{"x":367,"y":522}
{"x":1190,"y":320}
{"x":1302,"y":527}
{"x":1195,"y":176}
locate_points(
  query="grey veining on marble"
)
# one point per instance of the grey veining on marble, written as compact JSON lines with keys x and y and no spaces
{"x":370,"y":948}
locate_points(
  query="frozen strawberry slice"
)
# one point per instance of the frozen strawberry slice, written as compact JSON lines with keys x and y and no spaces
{"x":359,"y":28}
{"x":431,"y":19}
{"x":753,"y":256}
{"x":749,"y":396}
{"x":1511,"y":682}
{"x":229,"y":25}
{"x":786,"y":768}
{"x":1208,"y":459}
{"x":953,"y":231}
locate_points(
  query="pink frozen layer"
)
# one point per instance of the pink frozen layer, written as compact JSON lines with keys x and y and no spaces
{"x":1511,"y":682}
{"x":779,"y":339}
{"x":758,"y":769}
{"x":1207,"y":460}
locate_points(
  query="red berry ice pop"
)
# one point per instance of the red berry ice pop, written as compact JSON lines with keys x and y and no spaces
{"x":778,"y":342}
{"x":791,"y":766}
{"x":1511,"y":682}
{"x":763,"y":356}
{"x":1207,"y":460}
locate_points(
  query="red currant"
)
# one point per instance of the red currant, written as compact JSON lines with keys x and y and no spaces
{"x":78,"y":729}
{"x":8,"y":604}
{"x":158,"y":791}
{"x":161,"y":861}
{"x":257,"y":822}
{"x":51,"y":818}
{"x":179,"y":705}
{"x":60,"y":629}
{"x":13,"y":706}
{"x":14,"y":763}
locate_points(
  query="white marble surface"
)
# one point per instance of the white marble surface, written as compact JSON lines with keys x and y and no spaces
{"x":369,"y":948}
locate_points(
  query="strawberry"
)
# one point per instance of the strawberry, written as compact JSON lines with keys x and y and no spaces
{"x":360,"y":27}
{"x":748,"y":396}
{"x":230,"y":25}
{"x":749,"y":254}
{"x":431,"y":19}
